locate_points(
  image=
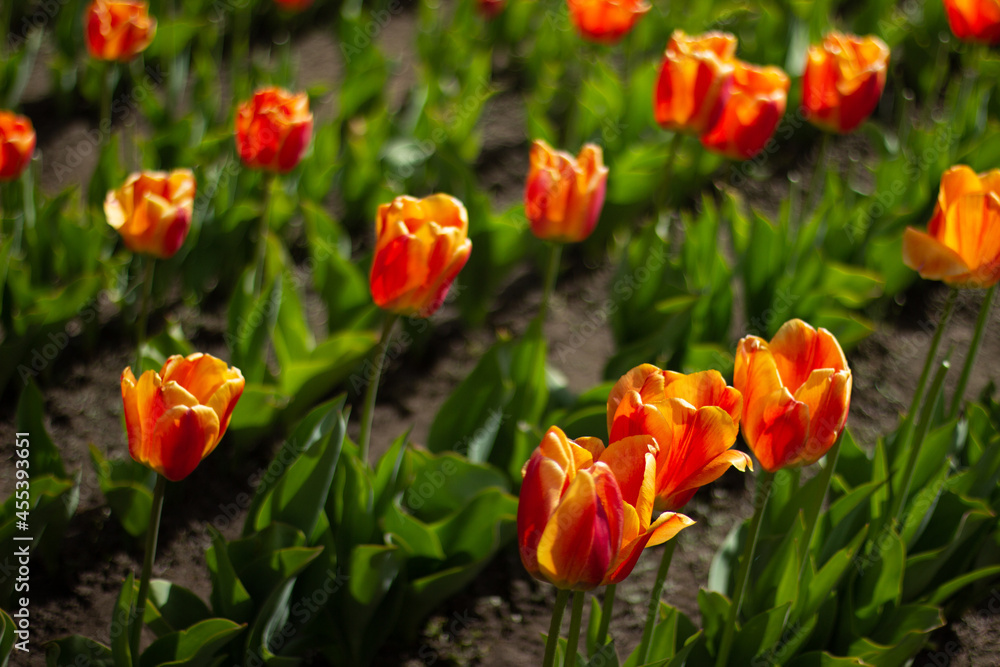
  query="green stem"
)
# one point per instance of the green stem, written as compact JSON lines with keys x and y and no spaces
{"x":654,"y":601}
{"x":663,"y":197}
{"x":107,"y":90}
{"x":368,"y":411}
{"x":136,"y":70}
{"x":147,"y":290}
{"x":761,"y":497}
{"x":809,"y":201}
{"x":972,"y":353}
{"x":574,"y":629}
{"x":607,"y":608}
{"x":554,"y":627}
{"x":826,"y":475}
{"x":932,"y":352}
{"x":551,"y":274}
{"x":152,"y":533}
{"x":265,"y":226}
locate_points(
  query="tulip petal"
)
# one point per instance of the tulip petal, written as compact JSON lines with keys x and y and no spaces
{"x":930,"y":258}
{"x":632,"y":381}
{"x":702,"y":389}
{"x":776,"y":427}
{"x":628,"y":462}
{"x":540,"y":492}
{"x":180,"y":438}
{"x":798,"y":349}
{"x":662,"y":530}
{"x":828,"y":395}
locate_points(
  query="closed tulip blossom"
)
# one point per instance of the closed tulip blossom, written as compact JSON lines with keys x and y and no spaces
{"x":962,"y":243}
{"x":152,"y":211}
{"x":118,"y":30}
{"x":420,"y":246}
{"x":843,"y":80}
{"x":294,"y":5}
{"x":584,"y":514}
{"x":751,"y":113}
{"x":564,"y":195}
{"x":176,"y":417}
{"x":606,"y":21}
{"x":974,"y":20}
{"x":490,"y":8}
{"x":694,"y":420}
{"x":273,"y":129}
{"x":796,"y":394}
{"x":694,"y":82}
{"x":17,"y":144}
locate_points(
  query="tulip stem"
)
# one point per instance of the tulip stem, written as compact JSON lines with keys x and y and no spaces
{"x":972,"y":353}
{"x":607,"y":607}
{"x":147,"y":291}
{"x":811,"y":200}
{"x":654,"y":601}
{"x":932,"y":353}
{"x":551,"y":274}
{"x":152,"y":533}
{"x":574,"y":629}
{"x":107,"y":90}
{"x":368,"y":411}
{"x":763,"y":493}
{"x":265,"y":227}
{"x":663,"y":198}
{"x":554,"y":627}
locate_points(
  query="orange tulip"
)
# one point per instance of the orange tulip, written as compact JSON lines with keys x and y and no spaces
{"x":843,"y":80}
{"x":694,"y":420}
{"x":273,"y":129}
{"x":606,"y":21}
{"x":176,"y":417}
{"x":962,"y":243}
{"x":17,"y":143}
{"x":118,"y":29}
{"x":293,"y":5}
{"x":420,"y":246}
{"x":796,"y":394}
{"x":694,"y":82}
{"x":564,"y":195}
{"x":584,"y":514}
{"x":974,"y":20}
{"x":152,"y":211}
{"x":751,"y":114}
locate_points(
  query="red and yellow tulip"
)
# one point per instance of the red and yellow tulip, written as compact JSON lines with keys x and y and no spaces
{"x":176,"y":417}
{"x":420,"y":246}
{"x":118,"y":29}
{"x":606,"y":21}
{"x":751,"y":113}
{"x":962,"y":242}
{"x":152,"y":211}
{"x":796,"y":394}
{"x":843,"y":80}
{"x":584,"y":514}
{"x":695,"y":81}
{"x":17,"y":144}
{"x":694,"y":420}
{"x":564,"y":195}
{"x":273,"y":129}
{"x":974,"y":20}
{"x":294,"y":5}
{"x":491,"y":8}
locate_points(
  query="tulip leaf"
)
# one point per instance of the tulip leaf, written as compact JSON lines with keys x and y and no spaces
{"x":372,"y":572}
{"x":66,"y":652}
{"x":759,"y":634}
{"x":229,"y":597}
{"x":194,"y":646}
{"x":714,"y":609}
{"x":257,"y":410}
{"x":945,"y":591}
{"x":122,"y":623}
{"x":607,"y":656}
{"x":880,"y":579}
{"x":252,"y":318}
{"x":844,"y":519}
{"x":43,"y":455}
{"x":127,"y":488}
{"x":725,"y":562}
{"x":821,"y":584}
{"x":7,"y":637}
{"x":412,"y":535}
{"x":637,"y":172}
{"x":171,"y":608}
{"x":823,"y":659}
{"x":393,"y":473}
{"x":444,"y":482}
{"x":309,"y":379}
{"x":594,"y":625}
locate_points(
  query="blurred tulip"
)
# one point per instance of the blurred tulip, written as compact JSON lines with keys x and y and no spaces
{"x":751,"y":114}
{"x":273,"y":129}
{"x":176,"y":417}
{"x":694,"y":82}
{"x":17,"y":143}
{"x":974,"y":20}
{"x":294,"y":5}
{"x":843,"y":80}
{"x":584,"y":513}
{"x":420,"y":246}
{"x":491,"y":8}
{"x":606,"y":21}
{"x":796,"y":394}
{"x":564,"y":195}
{"x":962,"y":242}
{"x":118,"y":29}
{"x":693,"y":418}
{"x":152,"y":211}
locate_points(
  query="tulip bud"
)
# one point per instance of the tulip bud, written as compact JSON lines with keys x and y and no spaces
{"x":118,"y":29}
{"x":843,"y":81}
{"x":564,"y":195}
{"x":694,"y":82}
{"x":273,"y":129}
{"x":17,"y":143}
{"x":606,"y":21}
{"x":750,"y":114}
{"x":974,"y":20}
{"x":152,"y":211}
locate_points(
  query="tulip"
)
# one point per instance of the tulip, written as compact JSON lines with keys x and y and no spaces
{"x":152,"y":211}
{"x":273,"y":130}
{"x":118,"y":29}
{"x":751,"y":114}
{"x":17,"y":143}
{"x":962,"y":242}
{"x":564,"y":195}
{"x":606,"y":21}
{"x":491,"y":8}
{"x":843,"y":80}
{"x":694,"y":420}
{"x":176,"y":417}
{"x":796,"y":394}
{"x":974,"y":20}
{"x":294,"y":5}
{"x":420,"y":246}
{"x":584,"y":514}
{"x":694,"y":82}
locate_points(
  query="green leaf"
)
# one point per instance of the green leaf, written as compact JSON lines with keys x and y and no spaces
{"x":442,"y":483}
{"x":121,"y":624}
{"x":66,"y":652}
{"x":8,"y":637}
{"x":127,"y":488}
{"x":372,"y":571}
{"x":605,"y":657}
{"x":43,"y":455}
{"x":714,"y":613}
{"x":947,"y":590}
{"x":195,"y":646}
{"x":881,"y":577}
{"x":759,"y":634}
{"x":822,"y":583}
{"x":171,"y":608}
{"x":229,"y":597}
{"x":823,"y":659}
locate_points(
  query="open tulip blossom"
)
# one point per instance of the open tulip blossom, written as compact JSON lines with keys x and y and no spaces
{"x":843,"y":80}
{"x":17,"y":144}
{"x":564,"y":195}
{"x":117,"y":30}
{"x":152,"y":211}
